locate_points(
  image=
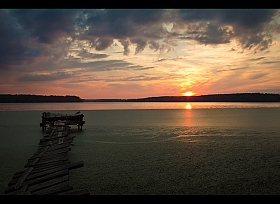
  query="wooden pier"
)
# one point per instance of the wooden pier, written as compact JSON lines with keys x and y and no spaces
{"x":47,"y":171}
{"x":69,"y":119}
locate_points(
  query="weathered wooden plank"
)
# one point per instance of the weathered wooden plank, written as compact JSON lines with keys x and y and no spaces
{"x":49,"y":170}
{"x":48,"y":183}
{"x":42,"y":172}
{"x":66,"y":147}
{"x":50,"y":158}
{"x":59,"y":133}
{"x":55,"y":169}
{"x":79,"y":192}
{"x":63,"y":143}
{"x":63,"y":149}
{"x":14,"y":191}
{"x":48,"y":177}
{"x":50,"y":161}
{"x":19,"y":173}
{"x":69,"y":166}
{"x":32,"y":163}
{"x":50,"y":166}
{"x":57,"y":151}
{"x":34,"y":171}
{"x":55,"y":136}
{"x":55,"y":147}
{"x":60,"y":141}
{"x":22,"y":190}
{"x":59,"y":122}
{"x":53,"y":190}
{"x":59,"y":129}
{"x":61,"y":187}
{"x":23,"y":177}
{"x":54,"y":128}
{"x":55,"y":140}
{"x":39,"y":180}
{"x":62,"y":156}
{"x":43,"y":152}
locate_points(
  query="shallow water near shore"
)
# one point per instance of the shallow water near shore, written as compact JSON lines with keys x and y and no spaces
{"x":203,"y":151}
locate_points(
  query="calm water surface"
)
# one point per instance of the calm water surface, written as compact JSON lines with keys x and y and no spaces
{"x":131,"y":105}
{"x":156,"y":148}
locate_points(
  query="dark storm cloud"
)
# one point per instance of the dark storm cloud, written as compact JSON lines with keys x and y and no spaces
{"x":46,"y":24}
{"x":214,"y":35}
{"x":245,"y":18}
{"x":28,"y":34}
{"x":141,"y":44}
{"x":123,"y":23}
{"x":12,"y":37}
{"x":248,"y":26}
{"x":24,"y":33}
{"x":87,"y":55}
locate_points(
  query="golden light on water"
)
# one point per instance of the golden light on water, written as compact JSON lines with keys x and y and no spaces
{"x":188,"y":106}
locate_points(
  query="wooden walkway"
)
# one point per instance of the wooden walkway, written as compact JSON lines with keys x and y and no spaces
{"x":69,"y":119}
{"x":47,"y":171}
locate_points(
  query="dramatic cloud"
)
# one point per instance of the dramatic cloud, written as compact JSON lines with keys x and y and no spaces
{"x":44,"y":77}
{"x":27,"y":34}
{"x":198,"y":48}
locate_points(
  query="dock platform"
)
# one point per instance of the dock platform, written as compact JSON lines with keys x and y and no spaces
{"x":49,"y":118}
{"x":47,"y":171}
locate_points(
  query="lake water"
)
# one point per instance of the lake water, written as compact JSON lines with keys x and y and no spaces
{"x":154,"y":148}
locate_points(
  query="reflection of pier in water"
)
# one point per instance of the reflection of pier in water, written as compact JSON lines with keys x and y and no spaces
{"x":47,"y":171}
{"x":69,"y":119}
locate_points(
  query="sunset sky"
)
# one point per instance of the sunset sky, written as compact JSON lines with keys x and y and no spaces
{"x":137,"y":53}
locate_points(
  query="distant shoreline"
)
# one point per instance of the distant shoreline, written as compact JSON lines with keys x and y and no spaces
{"x":235,"y":97}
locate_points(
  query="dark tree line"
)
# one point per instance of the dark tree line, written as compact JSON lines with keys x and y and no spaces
{"x":26,"y":98}
{"x":236,"y":97}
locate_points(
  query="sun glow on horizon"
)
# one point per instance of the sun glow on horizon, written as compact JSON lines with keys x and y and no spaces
{"x":189,"y":93}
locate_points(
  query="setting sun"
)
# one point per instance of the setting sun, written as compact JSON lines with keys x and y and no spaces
{"x":188,"y":93}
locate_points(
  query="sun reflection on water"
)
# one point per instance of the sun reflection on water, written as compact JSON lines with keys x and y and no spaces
{"x":188,"y":106}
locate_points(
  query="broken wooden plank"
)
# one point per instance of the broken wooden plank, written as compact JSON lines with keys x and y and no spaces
{"x":48,"y":183}
{"x":23,"y":177}
{"x":78,"y":192}
{"x":40,"y":179}
{"x":61,"y":187}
